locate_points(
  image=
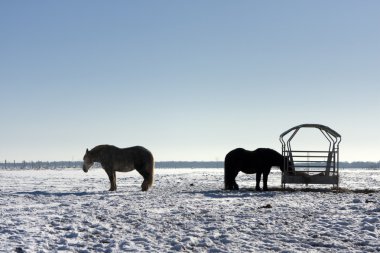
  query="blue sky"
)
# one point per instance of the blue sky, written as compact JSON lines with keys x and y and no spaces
{"x":189,"y":80}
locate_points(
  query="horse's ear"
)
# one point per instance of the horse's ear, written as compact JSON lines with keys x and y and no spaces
{"x":86,"y":151}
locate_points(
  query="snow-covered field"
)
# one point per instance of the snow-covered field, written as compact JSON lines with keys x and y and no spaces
{"x":186,"y":211}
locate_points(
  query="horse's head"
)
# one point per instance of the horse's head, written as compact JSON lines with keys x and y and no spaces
{"x":288,"y":164}
{"x":87,"y":161}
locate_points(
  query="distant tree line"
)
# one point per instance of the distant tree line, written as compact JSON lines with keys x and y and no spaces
{"x":364,"y":165}
{"x":163,"y":164}
{"x":40,"y":165}
{"x":78,"y":164}
{"x":193,"y":164}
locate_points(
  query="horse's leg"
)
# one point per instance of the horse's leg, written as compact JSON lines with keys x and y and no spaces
{"x":114,"y":180}
{"x":234,"y":184}
{"x":258,"y":178}
{"x":148,"y":178}
{"x":112,"y":177}
{"x":265,"y":181}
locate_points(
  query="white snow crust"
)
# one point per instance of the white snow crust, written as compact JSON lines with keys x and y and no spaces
{"x":187,"y":210}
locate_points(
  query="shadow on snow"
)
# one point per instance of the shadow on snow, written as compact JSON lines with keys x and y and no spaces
{"x":250,"y":192}
{"x":57,"y":194}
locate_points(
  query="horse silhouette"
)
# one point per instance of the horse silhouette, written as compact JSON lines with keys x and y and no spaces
{"x":259,"y":161}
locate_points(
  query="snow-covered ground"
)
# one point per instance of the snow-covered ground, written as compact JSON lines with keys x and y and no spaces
{"x":186,"y":211}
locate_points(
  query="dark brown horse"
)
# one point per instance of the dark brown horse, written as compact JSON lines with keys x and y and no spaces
{"x":259,"y":161}
{"x":115,"y":159}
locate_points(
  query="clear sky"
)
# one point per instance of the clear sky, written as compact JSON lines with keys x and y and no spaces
{"x":189,"y":80}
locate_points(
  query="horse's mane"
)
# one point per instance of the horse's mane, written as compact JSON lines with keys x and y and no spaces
{"x":98,"y":149}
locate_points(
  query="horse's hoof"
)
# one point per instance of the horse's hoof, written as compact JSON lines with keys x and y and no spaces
{"x":228,"y":188}
{"x":144,"y":186}
{"x":112,"y":190}
{"x":258,"y":189}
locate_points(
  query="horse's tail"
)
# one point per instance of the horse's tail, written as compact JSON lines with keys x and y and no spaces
{"x":151,"y":175}
{"x":229,"y":175}
{"x":230,"y":171}
{"x":226,"y":177}
{"x":148,"y":176}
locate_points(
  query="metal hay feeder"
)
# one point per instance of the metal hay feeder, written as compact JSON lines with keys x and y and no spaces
{"x":311,"y":166}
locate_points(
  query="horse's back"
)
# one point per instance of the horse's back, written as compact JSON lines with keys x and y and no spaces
{"x":236,"y":154}
{"x":248,"y":161}
{"x":125,"y":159}
{"x":138,"y":154}
{"x":268,"y":155}
{"x":267,"y":151}
{"x":238,"y":158}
